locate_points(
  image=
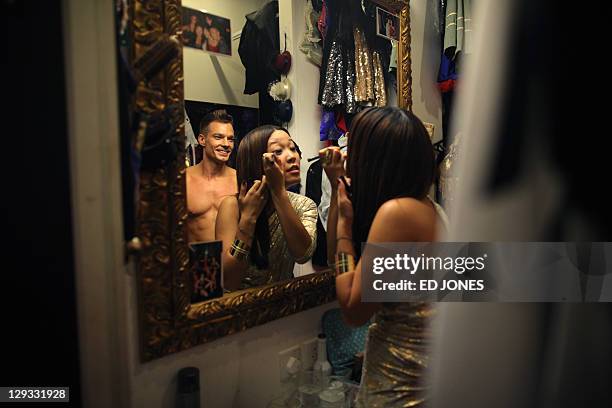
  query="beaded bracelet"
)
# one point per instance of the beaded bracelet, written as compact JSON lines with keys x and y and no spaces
{"x":344,"y":262}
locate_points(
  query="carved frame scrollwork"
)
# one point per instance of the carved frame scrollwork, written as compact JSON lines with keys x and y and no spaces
{"x":404,"y":61}
{"x":168,"y":321}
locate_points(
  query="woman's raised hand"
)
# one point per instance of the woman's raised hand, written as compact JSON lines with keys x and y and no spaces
{"x":274,"y":174}
{"x":253,"y":201}
{"x":332,"y":160}
{"x":345,"y":206}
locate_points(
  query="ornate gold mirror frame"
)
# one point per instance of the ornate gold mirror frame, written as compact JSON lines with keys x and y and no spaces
{"x":168,"y":321}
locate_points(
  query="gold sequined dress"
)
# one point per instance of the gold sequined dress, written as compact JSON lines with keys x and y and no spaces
{"x":397,"y":351}
{"x":281,"y":262}
{"x":396,"y":356}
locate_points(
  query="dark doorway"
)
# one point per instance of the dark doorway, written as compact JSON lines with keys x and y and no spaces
{"x":39,"y":321}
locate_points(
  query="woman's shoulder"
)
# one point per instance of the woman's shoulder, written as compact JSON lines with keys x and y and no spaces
{"x":406,"y":206}
{"x":301,"y":202}
{"x":406,"y":219}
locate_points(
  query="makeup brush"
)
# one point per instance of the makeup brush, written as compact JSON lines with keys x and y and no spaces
{"x":317,"y":156}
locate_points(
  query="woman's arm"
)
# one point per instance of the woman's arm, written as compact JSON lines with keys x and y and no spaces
{"x":332,"y":222}
{"x":348,"y":284}
{"x":231,"y":225}
{"x":394,"y":222}
{"x":332,"y":160}
{"x":227,"y":228}
{"x":298,"y":239}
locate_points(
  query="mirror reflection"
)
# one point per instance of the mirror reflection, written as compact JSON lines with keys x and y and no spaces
{"x":266,"y":228}
{"x":257,"y":207}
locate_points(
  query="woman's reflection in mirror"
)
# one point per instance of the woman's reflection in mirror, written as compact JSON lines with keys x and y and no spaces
{"x":265,"y":229}
{"x":211,"y":180}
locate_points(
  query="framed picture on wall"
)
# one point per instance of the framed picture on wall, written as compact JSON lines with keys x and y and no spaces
{"x":206,"y":32}
{"x":387,"y":24}
{"x":206,"y":270}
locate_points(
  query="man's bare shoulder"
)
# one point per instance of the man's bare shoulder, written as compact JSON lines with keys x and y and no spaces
{"x":191,"y":171}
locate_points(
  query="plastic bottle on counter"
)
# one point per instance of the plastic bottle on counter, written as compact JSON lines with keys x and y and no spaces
{"x":322,"y":369}
{"x":188,"y":388}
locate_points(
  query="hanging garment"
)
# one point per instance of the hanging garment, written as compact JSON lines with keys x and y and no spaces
{"x":447,"y":74}
{"x":311,"y":44}
{"x":259,"y":45}
{"x":314,"y":191}
{"x":458,"y":27}
{"x":364,"y":72}
{"x":323,"y":207}
{"x":322,"y":21}
{"x":380,"y":94}
{"x":329,"y":129}
{"x":190,"y":141}
{"x":339,"y":82}
{"x":393,"y":58}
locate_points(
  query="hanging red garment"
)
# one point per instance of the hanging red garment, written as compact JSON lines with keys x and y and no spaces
{"x":340,"y":122}
{"x":322,"y":23}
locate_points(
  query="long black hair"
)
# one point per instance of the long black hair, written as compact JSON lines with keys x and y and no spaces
{"x":249,"y":167}
{"x":390,"y":155}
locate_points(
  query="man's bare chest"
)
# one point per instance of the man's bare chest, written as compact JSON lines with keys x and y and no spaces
{"x":205,"y":196}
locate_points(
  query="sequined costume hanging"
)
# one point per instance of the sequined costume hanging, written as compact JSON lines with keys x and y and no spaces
{"x":337,"y":83}
{"x":379,"y":81}
{"x":364,"y":87}
{"x":338,"y":88}
{"x":350,"y":85}
{"x":332,"y":89}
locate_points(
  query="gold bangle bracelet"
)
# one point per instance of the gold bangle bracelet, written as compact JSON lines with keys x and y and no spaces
{"x":344,"y":262}
{"x":239,"y":250}
{"x":344,"y":237}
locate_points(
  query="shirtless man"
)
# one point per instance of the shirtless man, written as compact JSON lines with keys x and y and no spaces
{"x":211,"y":179}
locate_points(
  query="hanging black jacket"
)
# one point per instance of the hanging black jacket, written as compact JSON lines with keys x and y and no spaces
{"x":313,"y":191}
{"x":259,"y":45}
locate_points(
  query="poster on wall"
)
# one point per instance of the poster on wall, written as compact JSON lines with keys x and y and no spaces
{"x":206,"y":32}
{"x":387,"y":24}
{"x":206,"y":270}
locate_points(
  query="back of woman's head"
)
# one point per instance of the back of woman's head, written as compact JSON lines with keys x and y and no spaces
{"x":390,"y":155}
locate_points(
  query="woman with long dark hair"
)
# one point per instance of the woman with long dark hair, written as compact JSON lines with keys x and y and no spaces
{"x":265,"y":229}
{"x":390,"y":168}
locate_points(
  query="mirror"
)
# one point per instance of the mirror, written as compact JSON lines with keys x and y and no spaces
{"x":177,"y":207}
